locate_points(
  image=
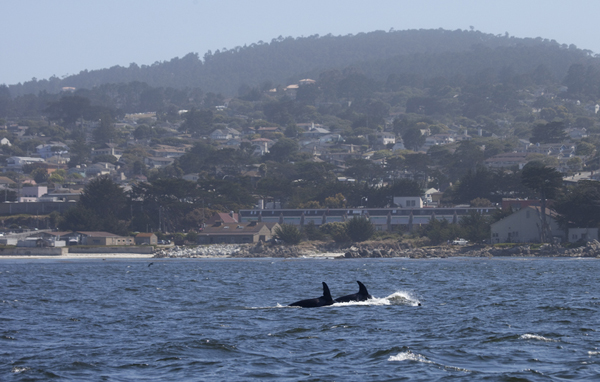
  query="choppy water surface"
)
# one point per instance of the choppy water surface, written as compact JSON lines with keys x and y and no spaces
{"x":122,"y":320}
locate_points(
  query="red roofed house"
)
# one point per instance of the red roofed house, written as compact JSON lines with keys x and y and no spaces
{"x":146,"y":239}
{"x":223,"y":217}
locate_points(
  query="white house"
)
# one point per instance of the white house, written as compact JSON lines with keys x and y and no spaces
{"x":386,"y":138}
{"x":585,"y":234}
{"x":17,"y":163}
{"x":408,"y":201}
{"x":524,"y":226}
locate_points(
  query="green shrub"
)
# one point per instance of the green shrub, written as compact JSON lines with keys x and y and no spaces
{"x":359,"y":228}
{"x":337,"y":231}
{"x":288,"y":233}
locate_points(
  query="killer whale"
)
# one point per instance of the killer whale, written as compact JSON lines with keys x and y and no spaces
{"x":316,"y":302}
{"x":362,"y":295}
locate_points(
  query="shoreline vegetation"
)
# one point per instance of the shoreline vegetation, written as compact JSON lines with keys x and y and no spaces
{"x":372,"y":249}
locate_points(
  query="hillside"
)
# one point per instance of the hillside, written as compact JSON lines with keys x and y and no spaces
{"x":417,"y":53}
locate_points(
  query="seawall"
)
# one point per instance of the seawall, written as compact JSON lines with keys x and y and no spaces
{"x":144,"y":249}
{"x":31,"y":251}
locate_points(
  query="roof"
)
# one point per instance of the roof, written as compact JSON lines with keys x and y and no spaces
{"x":549,"y":213}
{"x":144,"y":234}
{"x":235,"y":228}
{"x":98,"y":234}
{"x":223,"y":217}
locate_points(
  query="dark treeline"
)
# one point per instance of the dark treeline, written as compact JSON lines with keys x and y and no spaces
{"x":419,"y":54}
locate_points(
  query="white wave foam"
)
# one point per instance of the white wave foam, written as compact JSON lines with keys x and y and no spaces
{"x":397,"y":298}
{"x":403,"y":298}
{"x":593,"y":352}
{"x":528,"y":336}
{"x":371,"y":301}
{"x":408,"y":356}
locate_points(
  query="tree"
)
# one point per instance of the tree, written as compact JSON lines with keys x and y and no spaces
{"x":80,"y":151}
{"x":546,"y":181}
{"x":288,"y":233}
{"x":8,"y":195}
{"x":337,"y":201}
{"x":312,"y":232}
{"x":102,"y":206}
{"x":580,"y":207}
{"x":360,"y":228}
{"x":198,"y":121}
{"x":143,"y":132}
{"x":283,"y":150}
{"x":337,"y":230}
{"x":552,"y":132}
{"x":56,"y":178}
{"x":412,"y":138}
{"x":106,"y":132}
{"x":40,"y":175}
{"x":476,"y":227}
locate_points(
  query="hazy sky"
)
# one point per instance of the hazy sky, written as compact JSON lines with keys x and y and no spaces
{"x":41,"y":38}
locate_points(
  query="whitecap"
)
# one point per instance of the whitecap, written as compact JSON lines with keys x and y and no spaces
{"x":408,"y":356}
{"x":528,"y":336}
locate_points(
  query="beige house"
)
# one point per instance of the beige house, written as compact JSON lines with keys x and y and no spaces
{"x":144,"y":238}
{"x":103,"y":238}
{"x":524,"y":226}
{"x":236,"y":233}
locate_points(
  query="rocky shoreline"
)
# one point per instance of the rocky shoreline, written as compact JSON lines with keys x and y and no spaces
{"x":372,"y":250}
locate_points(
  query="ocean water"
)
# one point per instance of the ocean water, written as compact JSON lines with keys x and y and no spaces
{"x":509,"y":319}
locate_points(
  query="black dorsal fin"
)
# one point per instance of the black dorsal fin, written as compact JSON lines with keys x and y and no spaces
{"x":362,"y":289}
{"x":326,"y":292}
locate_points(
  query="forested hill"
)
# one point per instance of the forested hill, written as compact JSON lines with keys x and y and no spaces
{"x":412,"y":53}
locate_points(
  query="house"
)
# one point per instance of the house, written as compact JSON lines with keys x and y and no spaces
{"x":33,"y":191}
{"x":146,"y":239}
{"x":236,"y":233}
{"x":6,"y":182}
{"x":524,"y":226}
{"x":5,"y":142}
{"x":386,"y":138}
{"x":100,"y":168}
{"x":102,"y":238}
{"x":438,"y":140}
{"x":51,"y":149}
{"x":16,"y":163}
{"x":408,"y":201}
{"x":583,"y":234}
{"x":262,"y":145}
{"x":399,"y":145}
{"x":223,"y":217}
{"x":517,"y":204}
{"x":108,"y":149}
{"x":164,"y":151}
{"x":219,"y":135}
{"x":507,"y":160}
{"x":330,"y":138}
{"x":315,"y":132}
{"x":155,"y":162}
{"x":193,"y":177}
